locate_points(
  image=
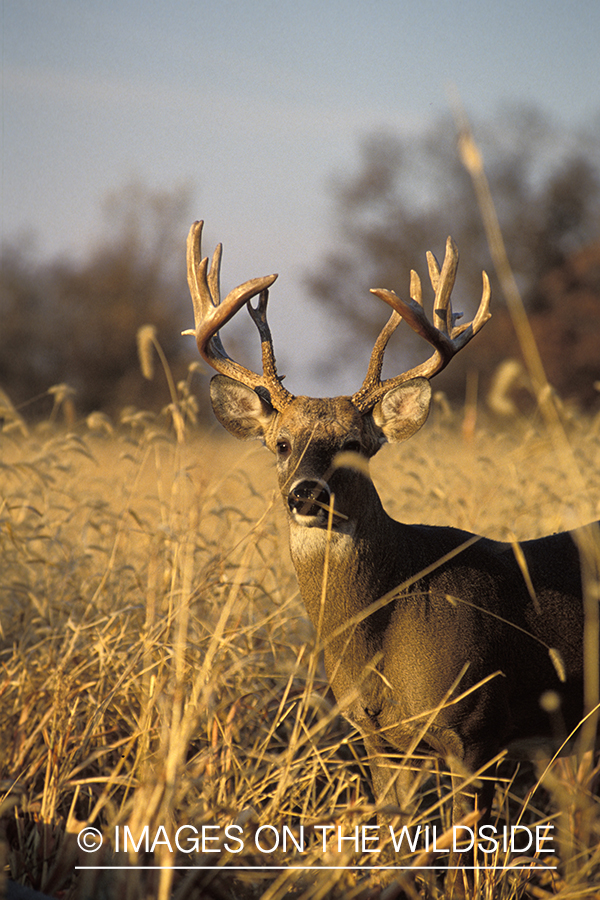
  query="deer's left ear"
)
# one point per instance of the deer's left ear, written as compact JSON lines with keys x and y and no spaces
{"x":403,"y":410}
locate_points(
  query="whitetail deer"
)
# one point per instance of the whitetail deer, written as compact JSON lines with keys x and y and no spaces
{"x":434,"y":639}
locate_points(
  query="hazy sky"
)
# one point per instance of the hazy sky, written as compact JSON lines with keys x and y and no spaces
{"x":255,"y":104}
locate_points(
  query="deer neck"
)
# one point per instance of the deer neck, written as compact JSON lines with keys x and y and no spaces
{"x":342,"y":572}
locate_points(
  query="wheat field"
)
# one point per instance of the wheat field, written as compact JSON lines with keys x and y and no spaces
{"x":159,"y":681}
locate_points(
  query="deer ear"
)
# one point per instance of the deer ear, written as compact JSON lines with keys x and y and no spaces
{"x":239,"y":409}
{"x":402,"y":411}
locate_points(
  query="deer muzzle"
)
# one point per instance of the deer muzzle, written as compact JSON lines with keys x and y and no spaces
{"x":309,"y":499}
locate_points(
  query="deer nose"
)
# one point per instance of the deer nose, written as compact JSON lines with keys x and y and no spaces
{"x":309,"y":498}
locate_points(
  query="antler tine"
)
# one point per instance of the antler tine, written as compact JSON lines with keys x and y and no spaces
{"x":444,"y":336}
{"x":214,"y":272}
{"x":442,"y":283}
{"x":211,"y":314}
{"x":258,"y":315}
{"x":373,"y":376}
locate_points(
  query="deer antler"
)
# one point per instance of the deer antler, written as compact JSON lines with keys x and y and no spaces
{"x":211,"y":314}
{"x":444,"y":335}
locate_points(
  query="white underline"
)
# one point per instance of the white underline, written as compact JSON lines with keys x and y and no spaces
{"x":532,"y":865}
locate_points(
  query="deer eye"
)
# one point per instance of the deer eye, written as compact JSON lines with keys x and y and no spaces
{"x":283,"y":449}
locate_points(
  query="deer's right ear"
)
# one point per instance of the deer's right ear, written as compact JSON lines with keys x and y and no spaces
{"x":402,"y":411}
{"x":239,"y":409}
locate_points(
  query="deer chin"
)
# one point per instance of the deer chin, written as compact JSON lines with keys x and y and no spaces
{"x":321,"y":527}
{"x":319,"y":520}
{"x":336,"y":524}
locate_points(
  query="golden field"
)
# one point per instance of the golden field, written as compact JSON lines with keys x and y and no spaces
{"x":157,"y":668}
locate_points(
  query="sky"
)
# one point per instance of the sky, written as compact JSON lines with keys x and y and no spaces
{"x":254,"y":105}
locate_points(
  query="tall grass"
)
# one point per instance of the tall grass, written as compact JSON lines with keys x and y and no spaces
{"x":157,"y":668}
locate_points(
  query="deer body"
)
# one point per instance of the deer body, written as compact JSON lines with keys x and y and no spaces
{"x":434,"y":640}
{"x":403,"y":661}
{"x":442,"y":627}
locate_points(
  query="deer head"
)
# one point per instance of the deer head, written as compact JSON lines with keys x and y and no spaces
{"x":307,"y":435}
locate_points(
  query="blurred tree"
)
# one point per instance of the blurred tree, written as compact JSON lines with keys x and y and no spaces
{"x":77,"y":322}
{"x":410,"y":193}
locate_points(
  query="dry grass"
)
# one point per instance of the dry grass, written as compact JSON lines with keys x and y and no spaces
{"x":157,"y":666}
